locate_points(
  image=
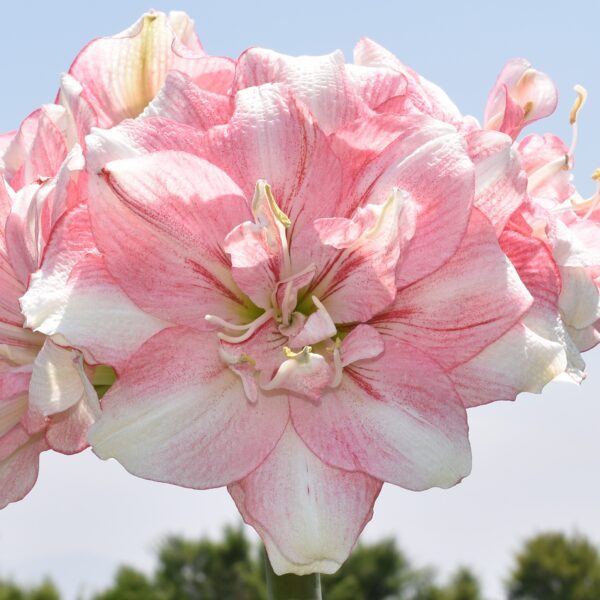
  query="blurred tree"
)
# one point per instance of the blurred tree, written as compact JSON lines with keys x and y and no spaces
{"x":552,"y":566}
{"x":45,"y":591}
{"x":233,"y":569}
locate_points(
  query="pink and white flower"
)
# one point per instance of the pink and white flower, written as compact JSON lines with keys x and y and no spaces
{"x":323,"y":285}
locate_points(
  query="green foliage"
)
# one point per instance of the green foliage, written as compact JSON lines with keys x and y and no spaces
{"x":375,"y":572}
{"x":45,"y":591}
{"x":553,"y":566}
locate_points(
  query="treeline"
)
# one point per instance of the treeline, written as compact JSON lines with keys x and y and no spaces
{"x":550,"y":566}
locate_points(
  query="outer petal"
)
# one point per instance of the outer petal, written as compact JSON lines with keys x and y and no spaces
{"x":308,"y":514}
{"x":74,"y":297}
{"x":421,"y":95}
{"x":531,"y":353}
{"x":123,"y":73}
{"x":395,"y":417}
{"x":178,"y":414}
{"x":38,"y":148}
{"x":161,"y":220}
{"x":319,"y":82}
{"x":465,"y":305}
{"x":19,"y":470}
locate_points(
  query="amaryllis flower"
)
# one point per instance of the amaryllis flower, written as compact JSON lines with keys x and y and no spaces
{"x":569,"y":225}
{"x":324,"y":275}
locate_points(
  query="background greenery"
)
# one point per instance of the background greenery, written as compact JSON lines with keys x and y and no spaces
{"x":549,"y":566}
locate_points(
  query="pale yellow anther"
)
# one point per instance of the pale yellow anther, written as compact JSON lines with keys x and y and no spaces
{"x":578,"y":103}
{"x":596,"y":174}
{"x":302,"y":356}
{"x":244,"y":358}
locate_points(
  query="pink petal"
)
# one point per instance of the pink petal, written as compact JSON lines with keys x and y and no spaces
{"x":421,"y":96}
{"x":38,"y":148}
{"x":465,"y":305}
{"x":181,"y":100}
{"x":318,"y":327}
{"x":257,"y":248}
{"x":122,"y":74}
{"x":519,"y":96}
{"x":319,"y":82}
{"x":19,"y":469}
{"x":395,"y":417}
{"x":362,"y":343}
{"x":304,"y":373}
{"x":500,"y":181}
{"x":532,"y":352}
{"x":538,"y":153}
{"x":443,"y":197}
{"x":161,"y":222}
{"x":189,"y":424}
{"x":73,"y":296}
{"x":67,"y":431}
{"x":308,"y":514}
{"x":369,"y":260}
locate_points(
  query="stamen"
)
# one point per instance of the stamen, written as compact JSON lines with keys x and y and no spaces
{"x":250,"y":327}
{"x":337,"y":364}
{"x":577,"y":106}
{"x":550,"y":169}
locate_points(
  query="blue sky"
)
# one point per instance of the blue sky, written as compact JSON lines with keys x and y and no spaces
{"x":536,"y":462}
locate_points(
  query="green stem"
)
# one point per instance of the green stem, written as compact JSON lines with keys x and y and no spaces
{"x":292,"y":587}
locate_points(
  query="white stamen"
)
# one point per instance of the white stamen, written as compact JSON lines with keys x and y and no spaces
{"x":250,"y":327}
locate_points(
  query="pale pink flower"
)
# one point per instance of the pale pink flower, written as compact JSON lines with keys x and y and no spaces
{"x":325,"y":276}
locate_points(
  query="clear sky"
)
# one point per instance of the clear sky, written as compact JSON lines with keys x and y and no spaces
{"x":536,"y":462}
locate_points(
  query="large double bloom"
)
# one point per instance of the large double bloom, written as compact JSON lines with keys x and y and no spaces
{"x":322,"y":292}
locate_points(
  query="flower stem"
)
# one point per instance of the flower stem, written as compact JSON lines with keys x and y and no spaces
{"x":292,"y":587}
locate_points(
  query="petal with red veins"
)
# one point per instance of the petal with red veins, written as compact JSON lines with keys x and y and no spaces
{"x":362,"y":343}
{"x":258,"y":255}
{"x":370,"y":245}
{"x":161,"y":221}
{"x":318,"y":327}
{"x":465,"y":305}
{"x":396,"y":417}
{"x":308,"y":514}
{"x":499,"y":177}
{"x":190,"y":424}
{"x":532,"y":352}
{"x":319,"y":82}
{"x":443,"y":199}
{"x":271,"y":137}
